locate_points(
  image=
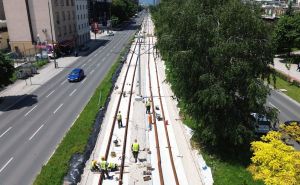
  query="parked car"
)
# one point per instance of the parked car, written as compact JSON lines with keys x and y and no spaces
{"x":76,"y":75}
{"x":110,"y":33}
{"x":262,"y":124}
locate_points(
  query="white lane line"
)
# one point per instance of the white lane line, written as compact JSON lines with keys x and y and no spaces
{"x":96,"y":54}
{"x":114,"y":47}
{"x":63,"y":82}
{"x":83,"y":64}
{"x":103,"y":58}
{"x":72,"y":92}
{"x":5,"y":132}
{"x":84,"y":80}
{"x":274,"y":106}
{"x":89,"y":60}
{"x":98,"y":64}
{"x":50,"y":93}
{"x":36,"y":132}
{"x":30,"y":110}
{"x":57,"y":108}
{"x":6,"y":164}
{"x":107,"y":54}
{"x":92,"y":71}
{"x":111,"y":50}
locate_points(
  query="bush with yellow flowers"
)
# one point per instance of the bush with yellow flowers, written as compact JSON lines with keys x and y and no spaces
{"x":292,"y":130}
{"x":274,"y":162}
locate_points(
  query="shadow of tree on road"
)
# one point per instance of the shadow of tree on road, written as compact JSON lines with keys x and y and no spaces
{"x":8,"y":103}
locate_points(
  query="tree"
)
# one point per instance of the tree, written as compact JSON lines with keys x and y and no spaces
{"x":123,"y":9}
{"x":215,"y":53}
{"x":274,"y":162}
{"x":6,"y":70}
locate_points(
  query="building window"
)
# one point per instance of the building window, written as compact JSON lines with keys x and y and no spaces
{"x":73,"y":15}
{"x":80,"y":7}
{"x":72,"y":2}
{"x":74,"y":26}
{"x":78,"y":17}
{"x":69,"y":15}
{"x":65,"y":30}
{"x":70,"y":28}
{"x":79,"y":27}
{"x":81,"y":16}
{"x":77,"y":7}
{"x":67,"y":2}
{"x":64,"y":16}
{"x":62,"y":3}
{"x":57,"y":17}
{"x":56,"y":2}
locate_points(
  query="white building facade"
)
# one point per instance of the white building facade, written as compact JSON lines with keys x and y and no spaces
{"x":82,"y":22}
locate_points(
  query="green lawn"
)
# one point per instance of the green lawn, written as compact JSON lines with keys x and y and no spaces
{"x":292,"y":90}
{"x":227,"y":173}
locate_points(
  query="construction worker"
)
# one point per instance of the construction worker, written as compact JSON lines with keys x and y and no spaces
{"x":95,"y":166}
{"x":150,"y":121}
{"x":135,"y":148}
{"x":112,"y":166}
{"x":148,"y":106}
{"x":103,"y":165}
{"x":119,"y":119}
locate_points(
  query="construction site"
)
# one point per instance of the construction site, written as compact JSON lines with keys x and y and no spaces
{"x":157,"y":136}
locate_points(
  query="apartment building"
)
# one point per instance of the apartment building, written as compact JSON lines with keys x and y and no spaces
{"x":31,"y":26}
{"x":99,"y":11}
{"x":83,"y":29}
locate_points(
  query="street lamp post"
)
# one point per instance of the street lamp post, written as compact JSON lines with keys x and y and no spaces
{"x":54,"y":53}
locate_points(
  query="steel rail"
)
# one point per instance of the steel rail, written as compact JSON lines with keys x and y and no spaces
{"x":127,"y":123}
{"x":161,"y":178}
{"x":115,"y":117}
{"x":165,"y":125}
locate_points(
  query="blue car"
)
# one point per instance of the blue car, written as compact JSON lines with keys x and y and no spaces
{"x":76,"y":75}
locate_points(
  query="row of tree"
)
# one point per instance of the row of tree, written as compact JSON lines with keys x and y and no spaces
{"x":216,"y":51}
{"x":6,"y":70}
{"x":123,"y":9}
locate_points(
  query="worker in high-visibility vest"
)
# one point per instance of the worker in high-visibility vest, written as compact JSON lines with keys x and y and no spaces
{"x":112,"y":166}
{"x":148,"y":106}
{"x":119,"y":119}
{"x":103,"y":166}
{"x":95,"y":166}
{"x":135,"y":148}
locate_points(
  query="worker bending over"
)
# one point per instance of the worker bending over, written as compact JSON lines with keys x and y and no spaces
{"x":95,"y":166}
{"x":104,"y":165}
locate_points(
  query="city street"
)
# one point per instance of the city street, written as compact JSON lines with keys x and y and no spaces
{"x":30,"y":134}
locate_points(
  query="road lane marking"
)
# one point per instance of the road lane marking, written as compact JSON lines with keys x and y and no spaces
{"x":83,"y":64}
{"x":57,"y":108}
{"x":6,"y":164}
{"x":96,"y":54}
{"x":111,"y":50}
{"x":89,"y":60}
{"x":274,"y":106}
{"x":5,"y":132}
{"x":103,"y":58}
{"x":63,"y":82}
{"x":36,"y":132}
{"x":92,"y":71}
{"x":98,"y":64}
{"x":30,"y":110}
{"x":72,"y":92}
{"x":84,"y":80}
{"x":50,"y":93}
{"x":107,"y":54}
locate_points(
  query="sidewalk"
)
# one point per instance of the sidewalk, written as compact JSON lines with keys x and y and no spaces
{"x":15,"y":92}
{"x":280,"y":66}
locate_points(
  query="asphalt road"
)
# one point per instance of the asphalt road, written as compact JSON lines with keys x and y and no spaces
{"x":29,"y":135}
{"x":288,"y":108}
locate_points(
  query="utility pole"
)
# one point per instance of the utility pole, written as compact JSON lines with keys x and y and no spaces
{"x":54,"y":53}
{"x":139,"y":61}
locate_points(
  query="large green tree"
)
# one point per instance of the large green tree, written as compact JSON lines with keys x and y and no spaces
{"x":6,"y":70}
{"x":215,"y":53}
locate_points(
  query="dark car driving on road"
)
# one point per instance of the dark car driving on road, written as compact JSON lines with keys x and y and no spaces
{"x":76,"y":75}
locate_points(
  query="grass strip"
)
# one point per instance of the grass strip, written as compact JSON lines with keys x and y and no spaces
{"x":225,"y":172}
{"x":293,"y":91}
{"x":76,"y":138}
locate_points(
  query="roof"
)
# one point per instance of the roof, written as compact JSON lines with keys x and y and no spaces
{"x":76,"y":70}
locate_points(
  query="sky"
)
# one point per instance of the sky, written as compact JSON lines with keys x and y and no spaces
{"x":146,"y":1}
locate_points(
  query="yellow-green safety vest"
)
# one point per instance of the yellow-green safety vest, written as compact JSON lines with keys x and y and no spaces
{"x":148,"y":104}
{"x":103,"y":165}
{"x":135,"y":147}
{"x":112,"y":165}
{"x":119,"y":116}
